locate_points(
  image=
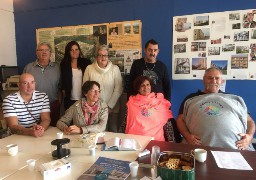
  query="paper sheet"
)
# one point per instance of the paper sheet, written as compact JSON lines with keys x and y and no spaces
{"x":231,"y":160}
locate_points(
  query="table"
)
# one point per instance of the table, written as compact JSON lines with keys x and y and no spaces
{"x":40,"y":149}
{"x":209,"y":169}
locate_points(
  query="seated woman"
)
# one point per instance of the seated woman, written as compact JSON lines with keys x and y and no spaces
{"x":89,"y":114}
{"x":147,"y":112}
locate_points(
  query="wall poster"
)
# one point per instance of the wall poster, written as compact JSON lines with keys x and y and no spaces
{"x":226,"y":40}
{"x":122,"y":38}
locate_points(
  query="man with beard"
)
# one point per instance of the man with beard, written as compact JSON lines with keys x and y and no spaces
{"x":213,"y":118}
{"x":151,"y":67}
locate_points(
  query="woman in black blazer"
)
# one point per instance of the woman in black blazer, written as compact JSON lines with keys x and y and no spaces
{"x":72,"y":71}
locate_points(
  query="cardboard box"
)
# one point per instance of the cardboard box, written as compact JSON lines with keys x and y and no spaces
{"x":56,"y":168}
{"x":178,"y":166}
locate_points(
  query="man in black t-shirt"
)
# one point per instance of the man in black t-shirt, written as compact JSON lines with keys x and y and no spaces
{"x":153,"y":68}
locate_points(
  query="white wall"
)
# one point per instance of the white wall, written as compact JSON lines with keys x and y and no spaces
{"x":7,"y":34}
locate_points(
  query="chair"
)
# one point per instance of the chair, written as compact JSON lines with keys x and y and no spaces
{"x":171,"y":132}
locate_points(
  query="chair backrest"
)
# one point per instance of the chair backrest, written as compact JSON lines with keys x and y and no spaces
{"x":171,"y":132}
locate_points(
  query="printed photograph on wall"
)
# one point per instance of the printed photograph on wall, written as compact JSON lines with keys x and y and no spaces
{"x":86,"y":43}
{"x":199,"y":64}
{"x":201,"y":20}
{"x":201,"y":34}
{"x":182,"y":25}
{"x":239,"y":61}
{"x":182,"y":66}
{"x":179,"y":48}
{"x":221,"y":64}
{"x":228,"y":47}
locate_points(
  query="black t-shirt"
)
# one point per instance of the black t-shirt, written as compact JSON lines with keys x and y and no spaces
{"x":156,"y":71}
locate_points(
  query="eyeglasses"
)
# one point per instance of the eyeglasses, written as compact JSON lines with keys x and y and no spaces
{"x":95,"y":91}
{"x":43,"y":50}
{"x":102,"y":56}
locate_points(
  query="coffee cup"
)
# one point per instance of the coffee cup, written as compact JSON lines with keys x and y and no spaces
{"x":12,"y":149}
{"x":134,"y":169}
{"x":199,"y":154}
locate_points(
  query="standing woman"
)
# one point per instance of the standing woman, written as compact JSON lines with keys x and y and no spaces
{"x":72,"y":69}
{"x":109,"y":77}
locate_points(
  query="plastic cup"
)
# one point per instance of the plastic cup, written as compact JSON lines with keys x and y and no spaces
{"x":134,"y":169}
{"x":31,"y":164}
{"x":12,"y":149}
{"x":60,"y":135}
{"x":155,"y":153}
{"x":92,"y":150}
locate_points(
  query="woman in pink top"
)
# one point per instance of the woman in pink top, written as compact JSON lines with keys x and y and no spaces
{"x":147,"y":112}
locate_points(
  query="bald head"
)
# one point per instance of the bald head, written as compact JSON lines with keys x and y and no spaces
{"x":26,"y":84}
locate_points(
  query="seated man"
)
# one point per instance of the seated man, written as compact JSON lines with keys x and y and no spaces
{"x":213,"y":118}
{"x":27,"y":111}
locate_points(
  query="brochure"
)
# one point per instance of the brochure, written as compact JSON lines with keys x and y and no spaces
{"x":106,"y":168}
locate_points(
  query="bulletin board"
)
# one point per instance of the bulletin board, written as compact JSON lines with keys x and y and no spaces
{"x":122,"y":38}
{"x":226,"y":40}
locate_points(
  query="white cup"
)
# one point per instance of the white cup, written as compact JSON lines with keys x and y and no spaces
{"x":12,"y":149}
{"x":134,"y":169}
{"x":59,"y":135}
{"x":92,"y":150}
{"x":31,"y":164}
{"x":199,"y":154}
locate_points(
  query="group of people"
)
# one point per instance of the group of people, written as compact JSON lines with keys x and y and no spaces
{"x":91,"y":94}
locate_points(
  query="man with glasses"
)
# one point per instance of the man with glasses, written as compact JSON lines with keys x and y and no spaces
{"x":213,"y":118}
{"x":47,"y":76}
{"x":153,"y":68}
{"x":27,"y":112}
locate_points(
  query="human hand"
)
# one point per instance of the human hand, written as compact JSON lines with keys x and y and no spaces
{"x":193,"y":139}
{"x":243,"y":144}
{"x":38,"y":127}
{"x":72,"y":130}
{"x":37,"y":131}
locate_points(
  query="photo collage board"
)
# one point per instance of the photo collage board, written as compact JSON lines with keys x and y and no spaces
{"x":226,"y":40}
{"x":122,"y":38}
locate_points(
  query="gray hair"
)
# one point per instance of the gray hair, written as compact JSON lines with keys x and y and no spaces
{"x":100,"y":48}
{"x":212,"y":69}
{"x":44,"y":43}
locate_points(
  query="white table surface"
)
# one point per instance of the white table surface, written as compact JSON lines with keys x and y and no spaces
{"x":14,"y":167}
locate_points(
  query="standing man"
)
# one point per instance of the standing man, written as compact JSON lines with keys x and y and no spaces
{"x":27,"y":111}
{"x":212,"y":118}
{"x":47,"y":76}
{"x":151,"y":67}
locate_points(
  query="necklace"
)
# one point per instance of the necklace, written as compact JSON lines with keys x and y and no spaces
{"x":151,"y":68}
